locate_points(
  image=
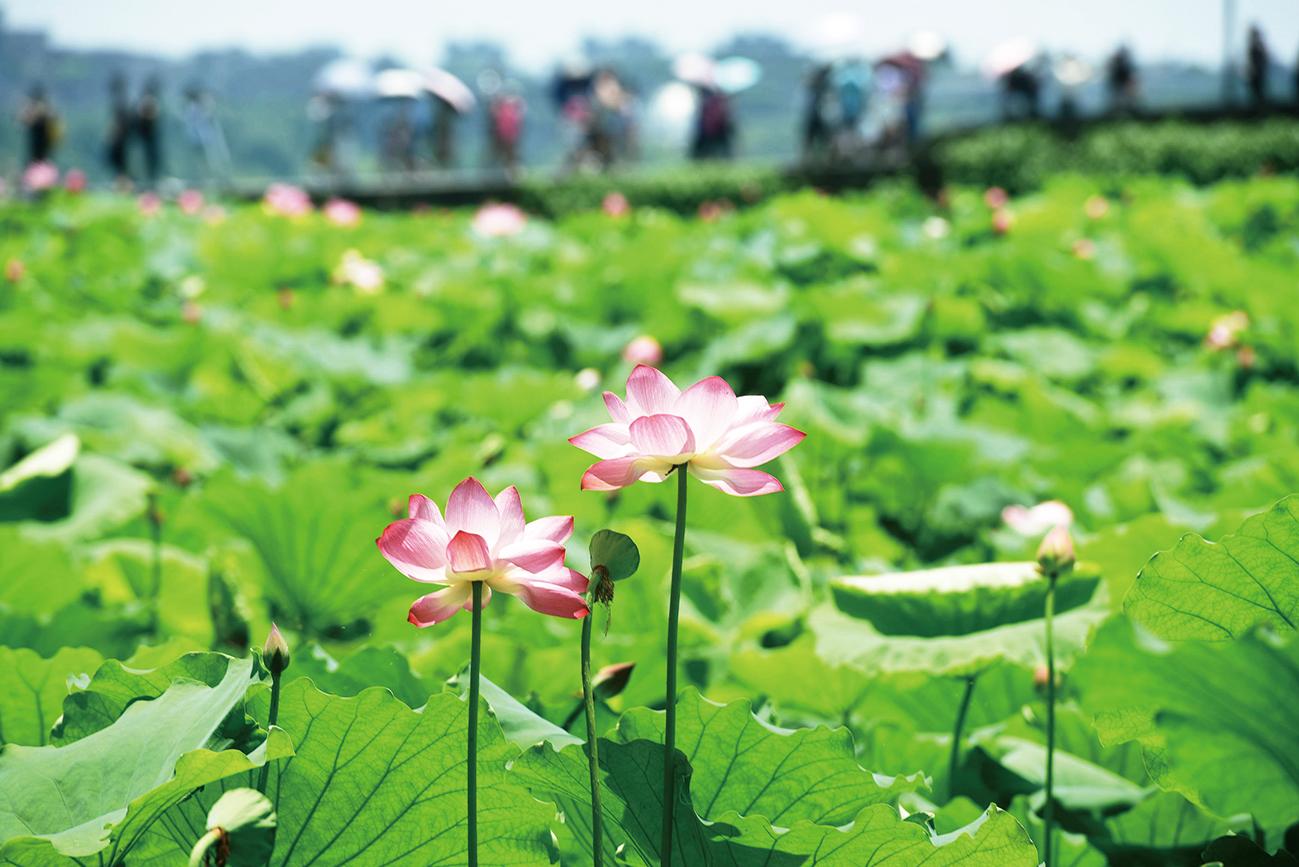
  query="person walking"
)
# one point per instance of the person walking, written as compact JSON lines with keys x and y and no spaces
{"x":119,"y":131}
{"x":42,"y":125}
{"x":1256,"y":63}
{"x":1121,"y":80}
{"x":148,"y":128}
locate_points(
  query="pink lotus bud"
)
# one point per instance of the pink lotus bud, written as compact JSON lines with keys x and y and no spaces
{"x":1002,"y":220}
{"x":587,"y":379}
{"x":1225,"y":331}
{"x":39,"y":177}
{"x":616,"y":205}
{"x":1246,"y":357}
{"x":275,"y":653}
{"x":995,"y":198}
{"x":1055,"y":556}
{"x":499,"y":220}
{"x":712,"y":211}
{"x":182,"y":477}
{"x":1038,"y":519}
{"x":285,"y":297}
{"x":1096,"y":207}
{"x":643,"y":350}
{"x":341,"y":212}
{"x":1040,"y":676}
{"x":14,"y":270}
{"x":190,"y":202}
{"x":1084,"y":248}
{"x":75,"y":181}
{"x":286,"y":200}
{"x":191,"y":312}
{"x":612,"y":679}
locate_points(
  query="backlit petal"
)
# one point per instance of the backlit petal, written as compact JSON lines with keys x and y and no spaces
{"x":533,"y":555}
{"x":471,"y":509}
{"x":755,"y":444}
{"x":468,"y":552}
{"x":556,"y":528}
{"x":649,"y":391}
{"x":510,"y":508}
{"x":617,"y":409}
{"x":604,"y":441}
{"x":553,"y":599}
{"x":754,"y":407}
{"x":612,"y":474}
{"x":416,"y":548}
{"x":709,"y":407}
{"x":739,"y":482}
{"x":663,"y":436}
{"x":425,"y":509}
{"x":437,"y":607}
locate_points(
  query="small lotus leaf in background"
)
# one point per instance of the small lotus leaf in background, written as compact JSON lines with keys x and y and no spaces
{"x":616,"y":552}
{"x":32,"y":690}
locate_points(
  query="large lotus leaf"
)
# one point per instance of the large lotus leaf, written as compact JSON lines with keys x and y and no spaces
{"x":71,"y":795}
{"x":1165,"y":820}
{"x":1217,"y":720}
{"x":371,"y":776}
{"x":124,"y":570}
{"x":1079,"y":784}
{"x":632,"y":807}
{"x":958,"y":600}
{"x":1202,"y":590}
{"x":844,"y":640}
{"x":745,"y":765}
{"x":315,"y":538}
{"x":105,"y":495}
{"x":36,"y":577}
{"x":520,"y":726}
{"x":115,"y":686}
{"x":40,"y":485}
{"x":32,"y":690}
{"x":368,"y":666}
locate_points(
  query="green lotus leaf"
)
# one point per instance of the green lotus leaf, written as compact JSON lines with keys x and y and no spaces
{"x":32,"y":690}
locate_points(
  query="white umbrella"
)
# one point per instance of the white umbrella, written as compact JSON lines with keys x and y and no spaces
{"x":927,"y":45}
{"x":1072,"y":71}
{"x":345,"y":76}
{"x":1008,"y":56}
{"x":736,"y":74}
{"x":399,"y":84}
{"x":694,"y":68}
{"x":446,"y":86}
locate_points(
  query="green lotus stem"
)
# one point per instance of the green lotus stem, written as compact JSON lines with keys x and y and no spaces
{"x":670,"y":723}
{"x":593,"y":750}
{"x":954,"y":760}
{"x":271,"y":719}
{"x":475,"y":664}
{"x":200,"y":850}
{"x":1048,"y":816}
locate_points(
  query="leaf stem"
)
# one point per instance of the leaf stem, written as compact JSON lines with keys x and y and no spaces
{"x":198,"y":854}
{"x":271,"y":719}
{"x":475,"y":664}
{"x":954,"y":760}
{"x":670,"y":723}
{"x":1048,"y":817}
{"x":593,"y":749}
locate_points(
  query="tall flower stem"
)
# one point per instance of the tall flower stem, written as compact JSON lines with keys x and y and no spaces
{"x":954,"y":760}
{"x":271,"y":719}
{"x":475,"y":664}
{"x":593,"y":750}
{"x":1048,"y":815}
{"x":670,"y":723}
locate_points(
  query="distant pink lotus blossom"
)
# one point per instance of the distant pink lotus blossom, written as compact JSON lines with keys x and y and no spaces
{"x":364,"y":275}
{"x":1036,"y":520}
{"x":190,"y":201}
{"x":1225,"y":331}
{"x":615,"y":204}
{"x":483,"y":539}
{"x":995,"y":198}
{"x":149,"y":204}
{"x":712,"y":211}
{"x":14,"y":270}
{"x":1084,"y":248}
{"x":718,"y":437}
{"x":1096,"y":207}
{"x":496,"y":220}
{"x":287,"y":200}
{"x":643,"y":350}
{"x":39,"y":177}
{"x":191,"y":312}
{"x":1002,"y":220}
{"x":75,"y":181}
{"x":341,"y":212}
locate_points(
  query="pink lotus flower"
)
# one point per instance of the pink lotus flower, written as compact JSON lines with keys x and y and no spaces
{"x":287,"y":200}
{"x":643,"y":350}
{"x":719,"y":437}
{"x":615,"y":204}
{"x":1226,"y":330}
{"x":1096,"y":207}
{"x":341,"y":212}
{"x":39,"y":177}
{"x":1002,"y":220}
{"x":14,"y":270}
{"x":362,"y":274}
{"x":149,"y":204}
{"x":483,"y":539}
{"x":499,"y":220}
{"x":1084,"y":248}
{"x":75,"y":181}
{"x":995,"y":198}
{"x":190,"y":202}
{"x":1038,"y":519}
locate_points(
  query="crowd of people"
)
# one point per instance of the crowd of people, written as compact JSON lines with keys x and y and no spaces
{"x":854,"y":108}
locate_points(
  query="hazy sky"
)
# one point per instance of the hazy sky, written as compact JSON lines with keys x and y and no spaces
{"x":538,"y":32}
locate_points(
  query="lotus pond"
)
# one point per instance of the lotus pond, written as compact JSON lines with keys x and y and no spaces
{"x":209,"y":413}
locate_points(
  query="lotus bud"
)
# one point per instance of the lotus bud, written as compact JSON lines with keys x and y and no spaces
{"x":275,"y":653}
{"x":1055,"y":556}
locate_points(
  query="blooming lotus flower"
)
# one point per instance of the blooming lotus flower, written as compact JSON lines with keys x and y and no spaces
{"x":364,"y":275}
{"x":643,"y":350}
{"x":483,"y":539}
{"x":615,"y":204}
{"x":190,"y":202}
{"x":341,"y":212}
{"x":1084,"y":248}
{"x":1002,"y":220}
{"x":498,"y":220}
{"x":718,"y":437}
{"x":287,"y":200}
{"x":39,"y":177}
{"x":149,"y":204}
{"x":1039,"y":519}
{"x":1096,"y":207}
{"x":75,"y":181}
{"x":1226,"y":330}
{"x":995,"y":198}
